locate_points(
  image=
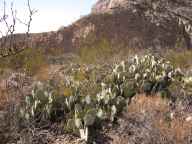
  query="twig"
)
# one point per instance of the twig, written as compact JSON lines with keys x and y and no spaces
{"x":8,"y":43}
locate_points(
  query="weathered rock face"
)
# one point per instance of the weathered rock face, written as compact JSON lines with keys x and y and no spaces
{"x":125,"y":29}
{"x":144,"y":24}
{"x":123,"y":23}
{"x":131,"y":23}
{"x":130,"y":29}
{"x":103,"y":6}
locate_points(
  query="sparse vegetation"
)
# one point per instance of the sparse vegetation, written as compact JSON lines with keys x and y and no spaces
{"x":101,"y":50}
{"x":82,"y":100}
{"x":180,"y":59}
{"x":87,"y":96}
{"x":29,"y":61}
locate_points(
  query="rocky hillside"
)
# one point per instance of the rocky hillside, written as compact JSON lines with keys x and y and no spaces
{"x":103,"y":6}
{"x":123,"y":24}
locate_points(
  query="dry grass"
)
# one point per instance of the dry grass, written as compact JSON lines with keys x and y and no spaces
{"x":3,"y":98}
{"x":182,"y":59}
{"x":43,"y":73}
{"x":3,"y":94}
{"x":142,"y":103}
{"x":176,"y":129}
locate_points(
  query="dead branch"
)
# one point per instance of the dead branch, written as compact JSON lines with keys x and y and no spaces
{"x":8,"y":40}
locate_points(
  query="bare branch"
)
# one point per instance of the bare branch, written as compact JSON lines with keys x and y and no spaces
{"x":8,"y":43}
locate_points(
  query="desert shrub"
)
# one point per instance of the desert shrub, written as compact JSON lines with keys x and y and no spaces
{"x":45,"y":102}
{"x":34,"y":59}
{"x":90,"y":95}
{"x":79,"y":111}
{"x":182,"y":89}
{"x":101,"y":50}
{"x":180,"y":59}
{"x":148,"y":74}
{"x":29,"y":60}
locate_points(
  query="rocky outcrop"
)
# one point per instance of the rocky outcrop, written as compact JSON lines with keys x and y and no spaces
{"x":132,"y":24}
{"x":103,"y":6}
{"x":129,"y":23}
{"x":158,"y":11}
{"x":129,"y":29}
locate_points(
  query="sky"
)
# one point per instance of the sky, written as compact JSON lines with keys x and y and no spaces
{"x":51,"y":14}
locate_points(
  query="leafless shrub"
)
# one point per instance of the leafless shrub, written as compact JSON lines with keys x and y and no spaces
{"x":8,"y":21}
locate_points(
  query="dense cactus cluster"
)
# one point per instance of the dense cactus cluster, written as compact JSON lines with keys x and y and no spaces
{"x":154,"y":74}
{"x":83,"y":98}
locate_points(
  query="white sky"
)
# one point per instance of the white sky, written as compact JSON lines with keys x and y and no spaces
{"x":51,"y":13}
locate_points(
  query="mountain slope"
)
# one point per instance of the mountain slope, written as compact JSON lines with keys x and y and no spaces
{"x":123,"y":27}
